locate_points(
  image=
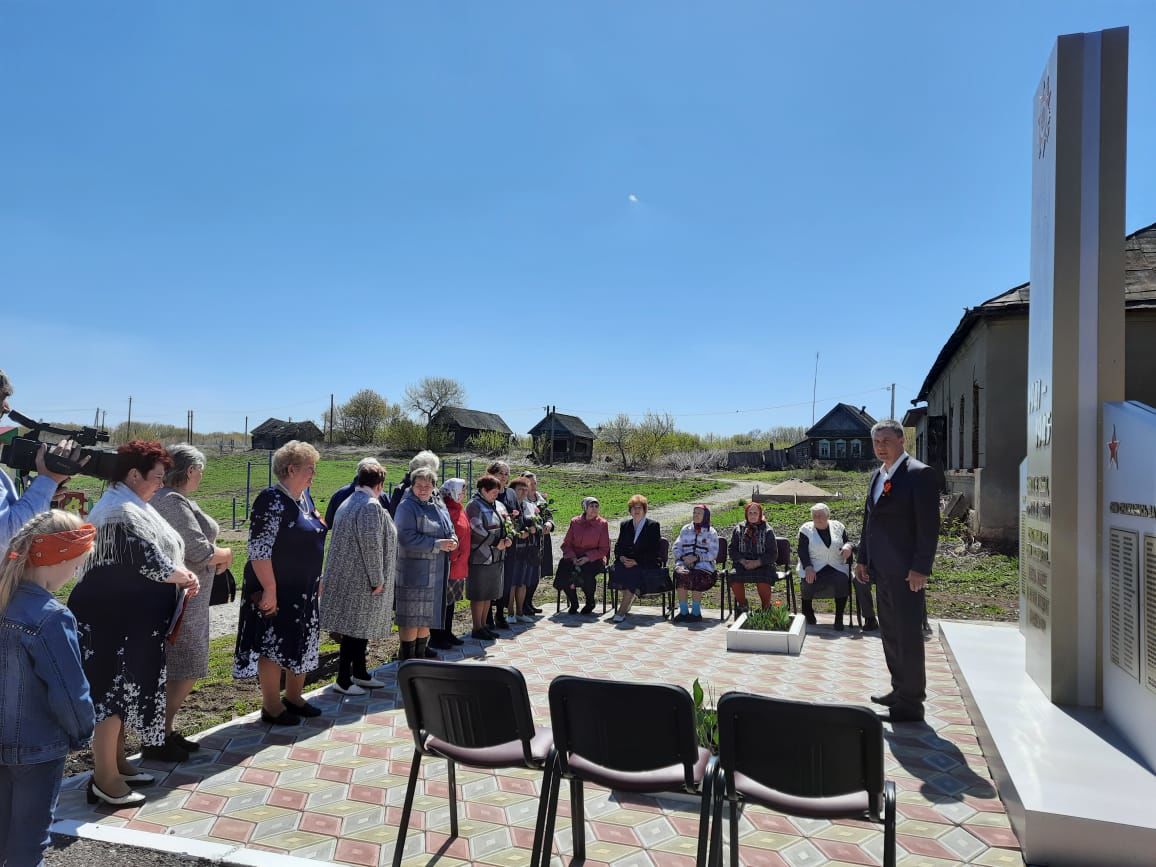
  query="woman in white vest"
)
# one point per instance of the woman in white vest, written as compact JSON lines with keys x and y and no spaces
{"x":824,"y":563}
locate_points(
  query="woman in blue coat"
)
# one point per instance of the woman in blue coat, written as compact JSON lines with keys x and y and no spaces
{"x":425,"y":536}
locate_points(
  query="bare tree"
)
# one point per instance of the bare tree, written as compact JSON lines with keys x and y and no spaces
{"x":431,"y":395}
{"x":621,"y":435}
{"x":652,"y":431}
{"x":362,"y":418}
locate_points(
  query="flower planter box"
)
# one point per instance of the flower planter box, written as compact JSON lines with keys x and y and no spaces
{"x":765,"y":641}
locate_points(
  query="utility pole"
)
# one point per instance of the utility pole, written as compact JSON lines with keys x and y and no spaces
{"x":330,"y":419}
{"x":892,"y":416}
{"x":551,"y":410}
{"x":190,"y":428}
{"x":96,"y":419}
{"x":128,"y":426}
{"x":814,"y":389}
{"x":103,"y":418}
{"x":246,"y":425}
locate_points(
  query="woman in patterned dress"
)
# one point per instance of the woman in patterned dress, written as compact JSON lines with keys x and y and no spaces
{"x":279,"y":629}
{"x":187,"y":657}
{"x":123,"y":606}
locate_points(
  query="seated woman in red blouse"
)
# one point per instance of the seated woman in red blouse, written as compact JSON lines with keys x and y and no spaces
{"x":585,"y":551}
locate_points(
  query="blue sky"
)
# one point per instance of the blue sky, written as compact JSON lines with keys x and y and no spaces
{"x":239,"y":208}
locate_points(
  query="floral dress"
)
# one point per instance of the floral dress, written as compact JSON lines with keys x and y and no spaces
{"x":290,"y":534}
{"x":123,"y":610}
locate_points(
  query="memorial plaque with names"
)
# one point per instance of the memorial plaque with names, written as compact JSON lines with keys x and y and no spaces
{"x":1124,"y":598}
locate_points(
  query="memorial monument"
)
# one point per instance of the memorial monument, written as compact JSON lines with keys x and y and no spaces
{"x":1064,"y":706}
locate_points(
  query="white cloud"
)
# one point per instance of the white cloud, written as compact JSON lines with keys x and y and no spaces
{"x":633,"y":199}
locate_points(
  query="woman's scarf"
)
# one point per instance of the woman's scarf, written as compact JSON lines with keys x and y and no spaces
{"x":452,"y":489}
{"x":120,"y":507}
{"x":705,"y":525}
{"x":754,"y":536}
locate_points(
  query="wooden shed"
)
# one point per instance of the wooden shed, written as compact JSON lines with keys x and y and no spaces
{"x":573,"y":440}
{"x":461,"y":424}
{"x":274,"y":433}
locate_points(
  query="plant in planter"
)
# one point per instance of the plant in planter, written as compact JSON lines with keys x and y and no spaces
{"x":777,"y":618}
{"x":705,"y":717}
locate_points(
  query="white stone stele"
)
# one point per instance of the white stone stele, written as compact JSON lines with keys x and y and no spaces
{"x":768,"y":641}
{"x":1076,"y":793}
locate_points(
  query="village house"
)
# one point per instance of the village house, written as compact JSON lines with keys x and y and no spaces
{"x":972,"y":424}
{"x":842,"y":437}
{"x":274,"y":433}
{"x":573,"y":440}
{"x":461,"y":424}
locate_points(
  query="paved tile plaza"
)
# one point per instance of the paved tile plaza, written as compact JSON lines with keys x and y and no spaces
{"x":332,"y":790}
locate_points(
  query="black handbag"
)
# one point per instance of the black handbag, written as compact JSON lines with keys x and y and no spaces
{"x":224,"y":588}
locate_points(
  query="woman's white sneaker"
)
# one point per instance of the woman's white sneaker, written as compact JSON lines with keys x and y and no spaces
{"x":352,"y":689}
{"x":368,"y":682}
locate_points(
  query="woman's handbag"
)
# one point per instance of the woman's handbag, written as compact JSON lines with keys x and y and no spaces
{"x":224,"y":588}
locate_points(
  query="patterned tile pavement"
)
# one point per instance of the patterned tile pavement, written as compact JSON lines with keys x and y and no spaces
{"x":332,"y":790}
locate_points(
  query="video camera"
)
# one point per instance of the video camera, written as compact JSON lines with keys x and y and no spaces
{"x":20,"y":454}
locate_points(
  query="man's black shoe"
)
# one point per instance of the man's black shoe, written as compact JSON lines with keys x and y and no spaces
{"x":870,"y":624}
{"x":303,"y":710}
{"x":501,"y":623}
{"x":886,"y":699}
{"x":904,"y":713}
{"x":587,"y":610}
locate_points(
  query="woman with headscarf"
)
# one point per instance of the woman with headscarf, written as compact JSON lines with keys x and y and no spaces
{"x":825,"y":555}
{"x":452,"y":491}
{"x":585,"y":550}
{"x":695,"y":551}
{"x":360,"y":571}
{"x":754,"y":552}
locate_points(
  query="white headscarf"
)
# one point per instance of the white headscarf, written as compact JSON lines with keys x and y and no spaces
{"x":452,"y":489}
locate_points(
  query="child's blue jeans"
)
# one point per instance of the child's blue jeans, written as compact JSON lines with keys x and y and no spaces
{"x":28,"y":796}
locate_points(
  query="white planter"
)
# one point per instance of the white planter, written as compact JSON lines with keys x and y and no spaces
{"x":762,"y":641}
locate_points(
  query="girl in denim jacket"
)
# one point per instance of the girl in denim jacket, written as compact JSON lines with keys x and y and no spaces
{"x":45,"y":710}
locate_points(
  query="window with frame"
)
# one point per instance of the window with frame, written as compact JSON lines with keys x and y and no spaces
{"x":856,"y":448}
{"x":840,"y":448}
{"x":824,"y":448}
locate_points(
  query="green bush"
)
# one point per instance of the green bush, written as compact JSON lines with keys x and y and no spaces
{"x":490,"y":443}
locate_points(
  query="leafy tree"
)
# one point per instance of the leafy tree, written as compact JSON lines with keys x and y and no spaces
{"x":431,"y":395}
{"x":363,"y":418}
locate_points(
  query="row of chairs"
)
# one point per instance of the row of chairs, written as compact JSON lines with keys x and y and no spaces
{"x":798,"y":758}
{"x":784,"y":570}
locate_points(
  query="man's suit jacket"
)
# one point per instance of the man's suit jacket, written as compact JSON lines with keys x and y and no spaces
{"x":646,"y":550}
{"x":901,"y":530}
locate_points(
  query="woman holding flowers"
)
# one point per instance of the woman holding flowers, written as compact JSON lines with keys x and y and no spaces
{"x":489,"y":541}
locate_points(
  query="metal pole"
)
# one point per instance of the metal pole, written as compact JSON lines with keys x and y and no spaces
{"x":248,"y":487}
{"x":128,"y":425}
{"x":331,"y":419}
{"x":234,"y":513}
{"x":269,"y":484}
{"x":892,"y":416}
{"x":814,"y":388}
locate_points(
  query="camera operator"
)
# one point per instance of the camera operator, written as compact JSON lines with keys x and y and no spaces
{"x":15,"y":511}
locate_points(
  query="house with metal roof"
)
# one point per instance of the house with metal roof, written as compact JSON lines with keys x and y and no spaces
{"x":971,"y":418}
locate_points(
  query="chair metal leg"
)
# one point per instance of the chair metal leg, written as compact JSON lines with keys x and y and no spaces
{"x":551,"y":814}
{"x":558,"y":601}
{"x":888,"y":824}
{"x":716,"y":821}
{"x":708,"y":796}
{"x":735,"y":833}
{"x":453,"y":799}
{"x":403,"y":826}
{"x":543,"y":804}
{"x":578,"y":819}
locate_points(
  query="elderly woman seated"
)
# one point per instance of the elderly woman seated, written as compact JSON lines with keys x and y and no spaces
{"x":638,"y":567}
{"x":585,"y":551}
{"x":695,"y":551}
{"x":825,"y":563}
{"x":754,"y":552}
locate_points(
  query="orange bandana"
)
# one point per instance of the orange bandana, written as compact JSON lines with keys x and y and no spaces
{"x":48,"y":549}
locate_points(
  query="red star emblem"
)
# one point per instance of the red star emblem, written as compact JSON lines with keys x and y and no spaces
{"x":1114,"y":450}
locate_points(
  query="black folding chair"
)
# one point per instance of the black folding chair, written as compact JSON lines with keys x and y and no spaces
{"x":604,"y":571}
{"x":803,"y":759}
{"x":663,"y":594}
{"x":469,"y":714}
{"x":627,"y":737}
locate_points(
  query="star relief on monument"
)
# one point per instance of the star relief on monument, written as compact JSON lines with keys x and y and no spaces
{"x":1114,"y":450}
{"x":1044,"y":117}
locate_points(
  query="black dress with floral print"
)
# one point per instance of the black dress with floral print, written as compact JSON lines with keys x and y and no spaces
{"x":122,"y":611}
{"x":292,"y":537}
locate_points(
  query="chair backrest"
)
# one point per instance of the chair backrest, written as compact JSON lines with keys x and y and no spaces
{"x":721,"y":562}
{"x":782,"y":551}
{"x":800,"y":748}
{"x":624,"y":726}
{"x":466,"y":704}
{"x":663,"y":552}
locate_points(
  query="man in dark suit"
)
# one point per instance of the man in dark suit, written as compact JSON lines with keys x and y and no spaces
{"x":900,"y":536}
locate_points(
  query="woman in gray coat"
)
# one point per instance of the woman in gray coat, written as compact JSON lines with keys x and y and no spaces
{"x":187,"y":659}
{"x":425,"y":536}
{"x":359,"y":578}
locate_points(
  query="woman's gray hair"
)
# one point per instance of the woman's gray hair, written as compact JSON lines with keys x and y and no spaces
{"x":423,"y":473}
{"x":888,"y":424}
{"x":821,"y":507}
{"x":426,"y":459}
{"x":185,"y":457}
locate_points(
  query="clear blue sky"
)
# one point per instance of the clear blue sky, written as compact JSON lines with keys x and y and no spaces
{"x":239,"y":208}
